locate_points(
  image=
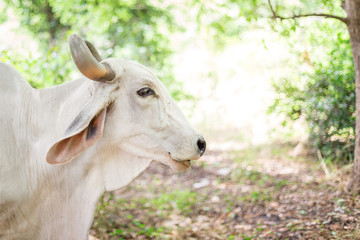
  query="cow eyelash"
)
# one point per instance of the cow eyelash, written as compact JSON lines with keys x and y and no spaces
{"x":145,"y":92}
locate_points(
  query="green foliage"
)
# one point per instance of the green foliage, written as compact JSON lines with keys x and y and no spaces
{"x":288,"y":9}
{"x":181,"y":201}
{"x":325,"y":96}
{"x":38,"y":18}
{"x":258,"y":196}
{"x":136,"y":30}
{"x":41,"y":71}
{"x":3,"y":15}
{"x":139,"y":228}
{"x":225,"y":21}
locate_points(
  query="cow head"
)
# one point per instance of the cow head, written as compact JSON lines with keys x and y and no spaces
{"x":131,"y":110}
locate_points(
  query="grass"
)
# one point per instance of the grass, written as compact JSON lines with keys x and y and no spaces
{"x":258,"y":196}
{"x":131,"y":224}
{"x":139,"y":228}
{"x":179,"y":201}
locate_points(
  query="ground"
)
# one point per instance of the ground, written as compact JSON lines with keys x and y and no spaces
{"x":264,"y":192}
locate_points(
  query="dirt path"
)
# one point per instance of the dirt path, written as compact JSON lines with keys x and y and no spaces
{"x":261,"y":193}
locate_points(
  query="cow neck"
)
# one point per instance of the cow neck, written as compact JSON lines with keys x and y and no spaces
{"x":68,"y":192}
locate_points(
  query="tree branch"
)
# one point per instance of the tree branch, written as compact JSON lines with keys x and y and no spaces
{"x":276,"y":16}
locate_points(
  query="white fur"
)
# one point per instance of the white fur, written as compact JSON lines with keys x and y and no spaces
{"x":43,"y":201}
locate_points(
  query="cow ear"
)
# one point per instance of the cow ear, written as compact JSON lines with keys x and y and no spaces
{"x":83,"y":132}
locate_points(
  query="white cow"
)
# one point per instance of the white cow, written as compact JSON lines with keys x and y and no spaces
{"x":62,"y":147}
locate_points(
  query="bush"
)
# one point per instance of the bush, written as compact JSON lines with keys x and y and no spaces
{"x":325,"y":96}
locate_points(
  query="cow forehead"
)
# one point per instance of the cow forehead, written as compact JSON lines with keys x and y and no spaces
{"x":130,"y":68}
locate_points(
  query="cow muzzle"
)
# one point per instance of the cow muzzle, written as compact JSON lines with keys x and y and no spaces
{"x":191,"y":150}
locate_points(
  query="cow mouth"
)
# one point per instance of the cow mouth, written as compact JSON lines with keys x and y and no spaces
{"x":187,"y":163}
{"x":180,"y":165}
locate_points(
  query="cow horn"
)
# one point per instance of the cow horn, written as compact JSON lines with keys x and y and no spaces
{"x":93,"y":50}
{"x":87,"y":60}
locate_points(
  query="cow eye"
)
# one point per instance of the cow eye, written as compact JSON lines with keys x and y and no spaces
{"x":145,"y":91}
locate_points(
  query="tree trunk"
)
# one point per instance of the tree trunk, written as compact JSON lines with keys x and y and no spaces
{"x":352,"y":8}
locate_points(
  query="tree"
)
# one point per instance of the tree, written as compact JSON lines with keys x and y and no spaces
{"x":136,"y":30}
{"x":352,"y":21}
{"x":227,"y":14}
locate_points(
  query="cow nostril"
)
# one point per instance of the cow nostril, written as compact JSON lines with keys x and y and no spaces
{"x":201,"y":145}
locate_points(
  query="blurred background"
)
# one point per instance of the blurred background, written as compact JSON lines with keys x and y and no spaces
{"x":257,"y":88}
{"x":227,"y":63}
